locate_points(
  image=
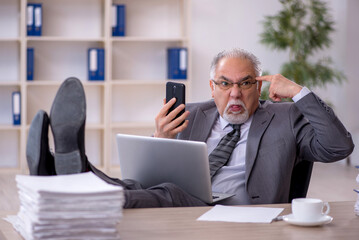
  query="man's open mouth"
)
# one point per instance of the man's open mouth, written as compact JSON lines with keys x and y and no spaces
{"x":236,"y":108}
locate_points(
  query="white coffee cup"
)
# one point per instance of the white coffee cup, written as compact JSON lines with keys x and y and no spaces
{"x":309,"y":209}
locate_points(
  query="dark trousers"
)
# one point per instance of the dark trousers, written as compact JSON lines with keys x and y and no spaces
{"x":162,"y":195}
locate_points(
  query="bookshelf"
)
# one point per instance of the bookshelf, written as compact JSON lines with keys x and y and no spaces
{"x":135,"y":69}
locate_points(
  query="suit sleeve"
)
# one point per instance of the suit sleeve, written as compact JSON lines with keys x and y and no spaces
{"x":320,"y":135}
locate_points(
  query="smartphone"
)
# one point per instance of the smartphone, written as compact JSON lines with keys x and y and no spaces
{"x":178,"y":91}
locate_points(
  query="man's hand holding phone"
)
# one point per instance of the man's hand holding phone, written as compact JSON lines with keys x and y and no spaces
{"x":167,"y":125}
{"x":171,"y":120}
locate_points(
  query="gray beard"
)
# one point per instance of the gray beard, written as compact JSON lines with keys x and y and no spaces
{"x":235,"y":118}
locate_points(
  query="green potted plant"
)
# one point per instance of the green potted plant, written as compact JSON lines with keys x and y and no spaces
{"x":302,"y":28}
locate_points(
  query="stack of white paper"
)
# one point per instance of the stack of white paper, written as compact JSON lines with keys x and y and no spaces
{"x":356,"y":207}
{"x":78,"y":206}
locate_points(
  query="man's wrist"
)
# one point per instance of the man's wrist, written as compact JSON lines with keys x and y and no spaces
{"x":301,"y":94}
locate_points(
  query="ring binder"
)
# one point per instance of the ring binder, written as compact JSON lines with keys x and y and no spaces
{"x":96,"y":64}
{"x":30,"y":64}
{"x":177,"y":63}
{"x":118,"y":20}
{"x":16,"y":108}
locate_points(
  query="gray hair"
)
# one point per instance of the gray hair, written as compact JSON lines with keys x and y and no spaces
{"x":235,"y":53}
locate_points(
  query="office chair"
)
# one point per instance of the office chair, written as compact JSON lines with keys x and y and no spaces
{"x":300,"y":180}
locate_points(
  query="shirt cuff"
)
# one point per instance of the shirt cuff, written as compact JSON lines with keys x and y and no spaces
{"x":301,"y":94}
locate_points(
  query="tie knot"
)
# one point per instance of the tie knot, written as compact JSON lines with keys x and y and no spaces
{"x":236,"y":126}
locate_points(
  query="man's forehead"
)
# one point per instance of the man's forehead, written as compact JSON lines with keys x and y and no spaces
{"x":235,"y":65}
{"x":235,"y":73}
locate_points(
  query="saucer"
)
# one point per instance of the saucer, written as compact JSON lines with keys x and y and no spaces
{"x":323,"y":220}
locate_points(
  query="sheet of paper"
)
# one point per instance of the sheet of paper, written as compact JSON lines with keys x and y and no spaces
{"x":241,"y":214}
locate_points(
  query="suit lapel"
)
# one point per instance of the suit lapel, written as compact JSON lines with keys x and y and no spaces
{"x":261,"y":120}
{"x":203,"y":122}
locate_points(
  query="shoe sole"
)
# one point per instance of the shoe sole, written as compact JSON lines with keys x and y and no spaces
{"x":67,"y":119}
{"x":33,"y":145}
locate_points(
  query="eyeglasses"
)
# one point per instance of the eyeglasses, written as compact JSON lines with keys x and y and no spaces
{"x":225,"y":85}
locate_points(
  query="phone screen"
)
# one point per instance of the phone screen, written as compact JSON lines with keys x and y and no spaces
{"x":178,"y":91}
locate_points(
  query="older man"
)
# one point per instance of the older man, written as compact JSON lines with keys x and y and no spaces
{"x":263,"y":141}
{"x":275,"y":137}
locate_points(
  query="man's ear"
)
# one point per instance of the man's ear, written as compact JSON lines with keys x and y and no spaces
{"x":259,"y":87}
{"x":211,"y":84}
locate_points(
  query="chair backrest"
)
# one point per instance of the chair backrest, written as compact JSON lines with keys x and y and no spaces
{"x":300,"y":180}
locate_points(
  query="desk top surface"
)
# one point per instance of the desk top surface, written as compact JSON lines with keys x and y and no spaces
{"x":180,"y":223}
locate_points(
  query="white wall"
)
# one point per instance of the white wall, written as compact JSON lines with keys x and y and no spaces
{"x":223,"y":24}
{"x":351,"y":89}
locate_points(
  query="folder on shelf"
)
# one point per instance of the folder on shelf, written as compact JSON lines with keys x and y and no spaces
{"x":34,"y":19}
{"x":16,"y":108}
{"x":38,"y":19}
{"x":118,"y":20}
{"x":30,"y":64}
{"x":30,"y":19}
{"x":96,"y":64}
{"x":177,"y":63}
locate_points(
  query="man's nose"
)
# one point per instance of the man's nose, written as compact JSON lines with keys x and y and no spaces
{"x":236,"y":91}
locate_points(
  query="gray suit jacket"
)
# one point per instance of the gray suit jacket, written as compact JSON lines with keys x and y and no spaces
{"x":281,"y":135}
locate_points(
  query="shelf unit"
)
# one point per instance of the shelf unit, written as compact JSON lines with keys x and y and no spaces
{"x":132,"y":93}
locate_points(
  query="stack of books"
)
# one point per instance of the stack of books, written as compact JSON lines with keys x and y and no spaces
{"x":78,"y":206}
{"x":356,"y":207}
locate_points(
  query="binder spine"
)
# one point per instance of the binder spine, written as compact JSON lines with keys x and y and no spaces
{"x":96,"y":64}
{"x":38,"y":19}
{"x":30,"y":19}
{"x":16,"y":108}
{"x":114,"y":20}
{"x":30,"y":64}
{"x":119,"y":20}
{"x":101,"y":64}
{"x":177,"y":63}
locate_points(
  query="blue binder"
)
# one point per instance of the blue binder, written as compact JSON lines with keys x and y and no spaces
{"x":16,"y":108}
{"x":30,"y":64}
{"x":34,"y":19}
{"x":30,"y":19}
{"x":96,"y":64}
{"x":119,"y":20}
{"x":177,"y":63}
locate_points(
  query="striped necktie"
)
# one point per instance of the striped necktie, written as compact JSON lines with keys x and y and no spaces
{"x":221,"y":154}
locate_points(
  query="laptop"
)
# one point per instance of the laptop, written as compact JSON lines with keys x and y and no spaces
{"x":152,"y":161}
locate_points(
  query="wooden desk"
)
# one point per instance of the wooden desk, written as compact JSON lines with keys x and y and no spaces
{"x":180,"y":223}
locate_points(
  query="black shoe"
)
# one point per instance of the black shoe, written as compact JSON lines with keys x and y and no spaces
{"x":39,"y":159}
{"x":67,"y":120}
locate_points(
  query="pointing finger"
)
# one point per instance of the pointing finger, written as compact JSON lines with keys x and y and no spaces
{"x":267,"y":78}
